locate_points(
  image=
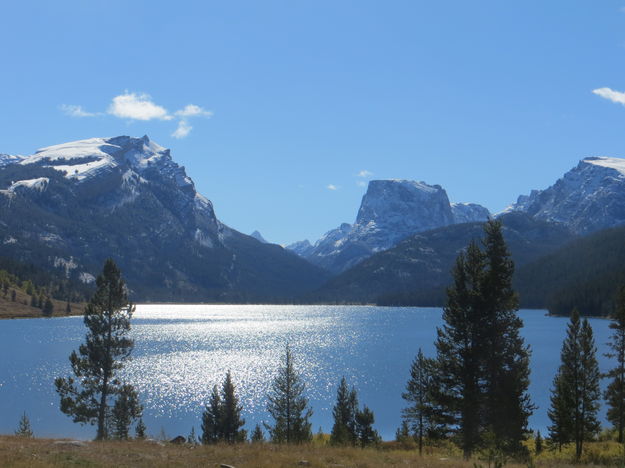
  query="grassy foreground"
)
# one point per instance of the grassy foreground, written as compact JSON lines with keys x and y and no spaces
{"x":24,"y":452}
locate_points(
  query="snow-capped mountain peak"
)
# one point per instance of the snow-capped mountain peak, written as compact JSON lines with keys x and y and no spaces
{"x":617,"y":164}
{"x":589,"y":197}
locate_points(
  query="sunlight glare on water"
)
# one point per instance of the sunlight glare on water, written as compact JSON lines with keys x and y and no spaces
{"x":181,"y":351}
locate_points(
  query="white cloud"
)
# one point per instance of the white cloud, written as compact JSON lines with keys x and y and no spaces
{"x":140,"y":106}
{"x":365,"y":173}
{"x":361,"y":183}
{"x":191,"y":110}
{"x":76,"y":111}
{"x":607,"y":93}
{"x":332,"y":187}
{"x":137,"y":107}
{"x":182,"y":130}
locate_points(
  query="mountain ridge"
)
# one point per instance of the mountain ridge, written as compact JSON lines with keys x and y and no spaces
{"x":80,"y":202}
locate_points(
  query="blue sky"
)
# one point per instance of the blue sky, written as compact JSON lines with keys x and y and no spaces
{"x":299,"y":103}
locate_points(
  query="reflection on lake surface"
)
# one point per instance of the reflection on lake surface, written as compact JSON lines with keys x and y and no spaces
{"x":181,"y":351}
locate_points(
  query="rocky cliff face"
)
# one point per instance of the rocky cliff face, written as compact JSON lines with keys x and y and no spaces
{"x":73,"y":205}
{"x":588,"y":198}
{"x":391,"y":210}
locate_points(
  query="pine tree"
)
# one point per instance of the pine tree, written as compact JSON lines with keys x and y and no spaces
{"x":459,"y":346}
{"x":140,"y":429}
{"x":288,"y":406}
{"x":344,"y":413}
{"x":68,"y":308}
{"x":192,"y":439}
{"x":575,"y":394}
{"x":13,"y":295}
{"x":403,"y":432}
{"x":125,"y":411}
{"x":48,"y":308}
{"x":211,"y":419}
{"x":560,"y":431}
{"x":24,"y":429}
{"x":507,"y":404}
{"x":419,"y":394}
{"x":615,"y":393}
{"x":257,"y":435}
{"x":86,"y":397}
{"x":364,"y":428}
{"x":538,"y":444}
{"x":482,"y":360}
{"x":33,"y":301}
{"x":231,"y":421}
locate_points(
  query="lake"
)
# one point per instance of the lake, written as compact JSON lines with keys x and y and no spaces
{"x":181,"y":351}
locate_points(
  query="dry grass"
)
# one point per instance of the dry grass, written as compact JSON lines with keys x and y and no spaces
{"x":36,"y":453}
{"x":21,"y":307}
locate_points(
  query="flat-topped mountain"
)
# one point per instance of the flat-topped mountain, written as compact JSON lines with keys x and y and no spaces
{"x":391,"y":210}
{"x":71,"y":206}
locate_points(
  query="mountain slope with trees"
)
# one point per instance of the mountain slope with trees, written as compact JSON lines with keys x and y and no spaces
{"x":585,"y":274}
{"x":69,"y":207}
{"x":417,"y":270}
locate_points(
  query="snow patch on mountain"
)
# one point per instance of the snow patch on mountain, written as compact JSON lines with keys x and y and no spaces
{"x":6,"y":159}
{"x":38,"y":184}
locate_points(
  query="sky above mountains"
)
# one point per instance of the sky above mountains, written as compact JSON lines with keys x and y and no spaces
{"x":282,"y":111}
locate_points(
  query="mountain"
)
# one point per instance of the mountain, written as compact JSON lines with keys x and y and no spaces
{"x":390,"y":211}
{"x":71,"y":206}
{"x":301,"y":248}
{"x":417,"y":270}
{"x":588,"y":198}
{"x":259,"y":237}
{"x":586,"y":274}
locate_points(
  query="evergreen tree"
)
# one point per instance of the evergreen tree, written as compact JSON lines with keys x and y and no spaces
{"x":13,"y":295}
{"x":344,"y":413}
{"x":125,"y":411}
{"x":288,"y":406}
{"x":575,"y":395}
{"x":211,"y":419}
{"x":231,"y":421}
{"x":68,"y":308}
{"x":459,"y":344}
{"x":257,"y":435}
{"x":140,"y":429}
{"x":560,"y":431}
{"x":28,"y":287}
{"x":24,"y":429}
{"x":615,"y":393}
{"x":33,"y":301}
{"x":48,"y":308}
{"x":402,"y":434}
{"x":482,"y":361}
{"x":86,"y":397}
{"x":538,"y":444}
{"x":192,"y":439}
{"x":364,"y":428}
{"x":419,"y":394}
{"x":507,"y":405}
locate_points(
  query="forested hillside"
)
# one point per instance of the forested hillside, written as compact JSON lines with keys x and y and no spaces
{"x":585,"y":273}
{"x":26,"y":291}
